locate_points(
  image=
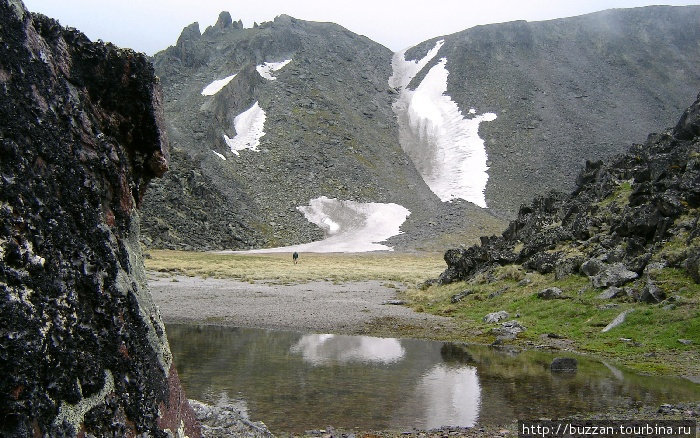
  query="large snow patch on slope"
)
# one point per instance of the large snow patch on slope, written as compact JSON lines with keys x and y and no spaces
{"x":265,"y":70}
{"x":217,"y":85}
{"x":349,"y":226}
{"x":443,"y":144}
{"x":250,"y":125}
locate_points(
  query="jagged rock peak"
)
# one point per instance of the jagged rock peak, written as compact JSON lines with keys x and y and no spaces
{"x":189,"y":33}
{"x":83,"y":351}
{"x":224,"y":20}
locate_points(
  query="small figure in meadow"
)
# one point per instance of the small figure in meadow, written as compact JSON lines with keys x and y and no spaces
{"x":295,"y":257}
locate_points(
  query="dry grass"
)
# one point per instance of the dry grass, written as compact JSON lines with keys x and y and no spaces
{"x":405,"y":268}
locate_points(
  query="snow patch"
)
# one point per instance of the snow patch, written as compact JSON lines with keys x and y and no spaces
{"x":249,"y":127}
{"x":349,"y":226}
{"x":327,"y":349}
{"x":217,"y":85}
{"x":267,"y":68}
{"x":404,"y":71}
{"x":219,"y":155}
{"x":444,"y":145}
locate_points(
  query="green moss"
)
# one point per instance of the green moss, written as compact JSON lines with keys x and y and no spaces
{"x":620,"y":196}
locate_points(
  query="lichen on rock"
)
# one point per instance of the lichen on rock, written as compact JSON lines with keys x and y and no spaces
{"x":82,"y":345}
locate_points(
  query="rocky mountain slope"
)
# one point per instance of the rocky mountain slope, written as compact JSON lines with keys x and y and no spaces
{"x":629,"y":217}
{"x":270,"y":119}
{"x":83,"y":350}
{"x":318,"y":92}
{"x":567,"y":90}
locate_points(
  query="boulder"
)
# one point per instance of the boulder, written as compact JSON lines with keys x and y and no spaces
{"x":496,"y":317}
{"x":508,"y":330}
{"x":551,"y":293}
{"x":610,"y":293}
{"x":614,"y":275}
{"x":592,"y":267}
{"x":651,"y":293}
{"x":564,"y":364}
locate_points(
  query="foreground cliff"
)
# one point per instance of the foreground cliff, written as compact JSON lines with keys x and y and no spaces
{"x":82,"y":346}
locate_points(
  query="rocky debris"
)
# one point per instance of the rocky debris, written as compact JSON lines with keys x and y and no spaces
{"x":636,"y":209}
{"x":508,"y":330}
{"x":83,"y":349}
{"x":394,"y":302}
{"x":459,"y":296}
{"x":223,"y":421}
{"x":496,"y":317}
{"x":551,"y":293}
{"x":563,"y":364}
{"x":686,"y":341}
{"x":619,"y":319}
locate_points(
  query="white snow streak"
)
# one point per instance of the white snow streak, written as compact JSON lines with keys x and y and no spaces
{"x":267,"y":68}
{"x":249,"y":126}
{"x":349,"y":226}
{"x":444,"y":146}
{"x":219,"y":155}
{"x":216,"y":86}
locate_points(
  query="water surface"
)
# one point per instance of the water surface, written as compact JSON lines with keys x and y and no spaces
{"x":296,"y":382}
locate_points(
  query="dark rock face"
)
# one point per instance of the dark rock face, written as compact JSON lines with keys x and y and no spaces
{"x":82,"y":346}
{"x":637,"y":208}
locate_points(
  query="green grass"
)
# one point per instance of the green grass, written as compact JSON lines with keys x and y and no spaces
{"x":408,"y":269}
{"x":646,"y":341}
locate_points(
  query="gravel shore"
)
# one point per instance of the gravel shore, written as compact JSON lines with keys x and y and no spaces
{"x":319,"y":306}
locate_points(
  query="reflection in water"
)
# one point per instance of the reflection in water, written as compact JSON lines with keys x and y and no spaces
{"x":452,"y":394}
{"x":295,"y":382}
{"x":324,"y":349}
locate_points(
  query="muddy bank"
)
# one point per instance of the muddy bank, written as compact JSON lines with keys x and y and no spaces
{"x":318,"y":306}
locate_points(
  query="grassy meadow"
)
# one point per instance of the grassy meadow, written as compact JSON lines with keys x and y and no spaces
{"x":407,"y":268}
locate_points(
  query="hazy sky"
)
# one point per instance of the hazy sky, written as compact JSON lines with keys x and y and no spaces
{"x":152,"y":25}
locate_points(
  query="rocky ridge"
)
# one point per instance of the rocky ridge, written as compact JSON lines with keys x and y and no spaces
{"x":83,"y":350}
{"x":628,"y":217}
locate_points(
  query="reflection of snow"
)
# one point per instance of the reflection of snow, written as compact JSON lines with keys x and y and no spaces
{"x":452,"y":396}
{"x":249,"y":129}
{"x":219,"y":155}
{"x":267,"y":68}
{"x":324,"y":349}
{"x":216,"y":86}
{"x":444,"y":146}
{"x":349,"y":226}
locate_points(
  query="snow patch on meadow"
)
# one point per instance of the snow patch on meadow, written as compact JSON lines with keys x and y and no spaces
{"x":249,"y":126}
{"x":217,"y":85}
{"x":443,"y":144}
{"x":267,"y":68}
{"x":349,"y":226}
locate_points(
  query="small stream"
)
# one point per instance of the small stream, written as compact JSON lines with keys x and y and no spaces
{"x":296,"y":382}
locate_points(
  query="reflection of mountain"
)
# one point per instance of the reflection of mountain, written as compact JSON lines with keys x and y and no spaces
{"x":296,"y":382}
{"x":326,"y":349}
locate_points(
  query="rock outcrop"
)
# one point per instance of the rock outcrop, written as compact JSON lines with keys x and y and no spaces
{"x":83,"y":350}
{"x":633,"y":214}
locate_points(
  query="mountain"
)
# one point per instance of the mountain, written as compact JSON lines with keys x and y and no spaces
{"x":83,"y":350}
{"x":635,"y":214}
{"x":292,"y":131}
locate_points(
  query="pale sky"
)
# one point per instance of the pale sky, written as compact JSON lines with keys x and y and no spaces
{"x":152,"y":25}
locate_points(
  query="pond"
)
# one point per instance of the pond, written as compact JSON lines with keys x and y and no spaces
{"x":296,"y":382}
